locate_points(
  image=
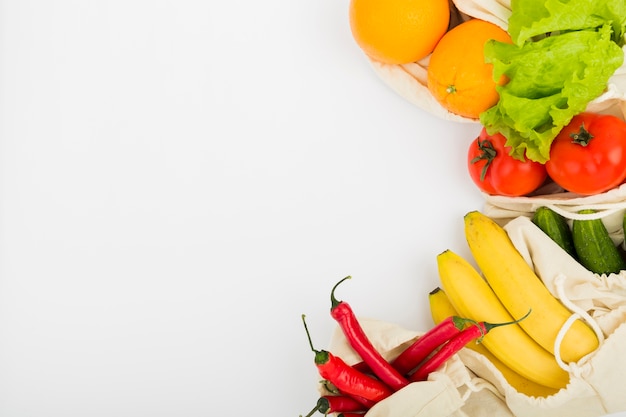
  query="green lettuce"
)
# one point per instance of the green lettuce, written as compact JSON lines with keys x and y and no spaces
{"x":537,"y":18}
{"x":551,"y":79}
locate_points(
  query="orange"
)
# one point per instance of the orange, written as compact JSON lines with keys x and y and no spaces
{"x":458,"y":76}
{"x":398,"y":31}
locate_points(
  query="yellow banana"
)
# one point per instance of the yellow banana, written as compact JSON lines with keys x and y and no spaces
{"x":441,"y":308}
{"x":472,"y":298}
{"x":520,"y":289}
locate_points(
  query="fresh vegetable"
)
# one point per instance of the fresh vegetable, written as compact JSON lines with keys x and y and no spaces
{"x":344,"y":315}
{"x":472,"y":297}
{"x":365,"y":403}
{"x":424,"y":345}
{"x":347,"y":379}
{"x":556,"y":227}
{"x":562,"y":58}
{"x":519,"y":288}
{"x":595,"y":248}
{"x":362,"y":367}
{"x":475,"y":332}
{"x":336,"y":403}
{"x":589,"y":155}
{"x":495,"y":171}
{"x":441,"y":308}
{"x":538,"y":18}
{"x":331,"y":389}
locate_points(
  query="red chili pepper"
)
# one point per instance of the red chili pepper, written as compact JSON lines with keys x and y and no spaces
{"x":362,"y":367}
{"x":335,"y":404}
{"x":474,"y":332}
{"x":367,"y":404}
{"x":350,"y":414}
{"x":423,"y":346}
{"x":345,"y":378}
{"x":345,"y":317}
{"x":328,"y":386}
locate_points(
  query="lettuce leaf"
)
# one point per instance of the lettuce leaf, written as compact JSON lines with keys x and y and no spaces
{"x":535,"y":18}
{"x":550,"y":80}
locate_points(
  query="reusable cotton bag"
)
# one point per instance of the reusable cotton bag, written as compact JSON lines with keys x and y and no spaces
{"x":469,"y":385}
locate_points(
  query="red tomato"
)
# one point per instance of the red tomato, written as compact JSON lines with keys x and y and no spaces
{"x":495,"y":171}
{"x":588,"y":156}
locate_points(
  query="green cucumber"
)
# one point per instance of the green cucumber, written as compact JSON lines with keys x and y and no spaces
{"x":595,"y":248}
{"x":555,"y":226}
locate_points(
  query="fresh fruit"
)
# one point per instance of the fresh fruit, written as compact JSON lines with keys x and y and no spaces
{"x":519,"y":289}
{"x":398,"y":31}
{"x":595,"y":248}
{"x":495,"y":171}
{"x":551,"y":78}
{"x":588,"y":156}
{"x":472,"y":298}
{"x":458,"y":76}
{"x":555,"y":226}
{"x":441,"y":308}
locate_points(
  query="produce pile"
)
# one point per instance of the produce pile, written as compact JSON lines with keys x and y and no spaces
{"x":587,"y":157}
{"x":537,"y":326}
{"x":523,"y":70}
{"x":501,"y":310}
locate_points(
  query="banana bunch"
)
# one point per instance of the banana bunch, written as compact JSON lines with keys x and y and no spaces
{"x":441,"y":307}
{"x":507,"y":290}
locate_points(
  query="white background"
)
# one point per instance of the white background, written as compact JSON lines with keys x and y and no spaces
{"x":180,"y":180}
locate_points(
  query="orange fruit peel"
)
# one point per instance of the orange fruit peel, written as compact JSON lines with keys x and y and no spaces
{"x":458,"y":76}
{"x":398,"y":31}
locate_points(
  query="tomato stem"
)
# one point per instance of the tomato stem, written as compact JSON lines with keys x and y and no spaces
{"x":487,"y":153}
{"x":582,"y":137}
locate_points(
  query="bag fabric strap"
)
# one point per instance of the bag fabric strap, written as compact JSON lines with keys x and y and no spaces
{"x":577,"y":313}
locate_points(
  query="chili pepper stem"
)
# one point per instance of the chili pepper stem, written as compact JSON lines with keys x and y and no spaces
{"x":347,"y":379}
{"x":358,"y":340}
{"x":333,"y":301}
{"x":321,"y":356}
{"x":308,"y":335}
{"x":321,"y":406}
{"x":328,"y":386}
{"x":489,"y":326}
{"x":317,"y":407}
{"x":455,"y":344}
{"x":424,"y":345}
{"x":461,"y":322}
